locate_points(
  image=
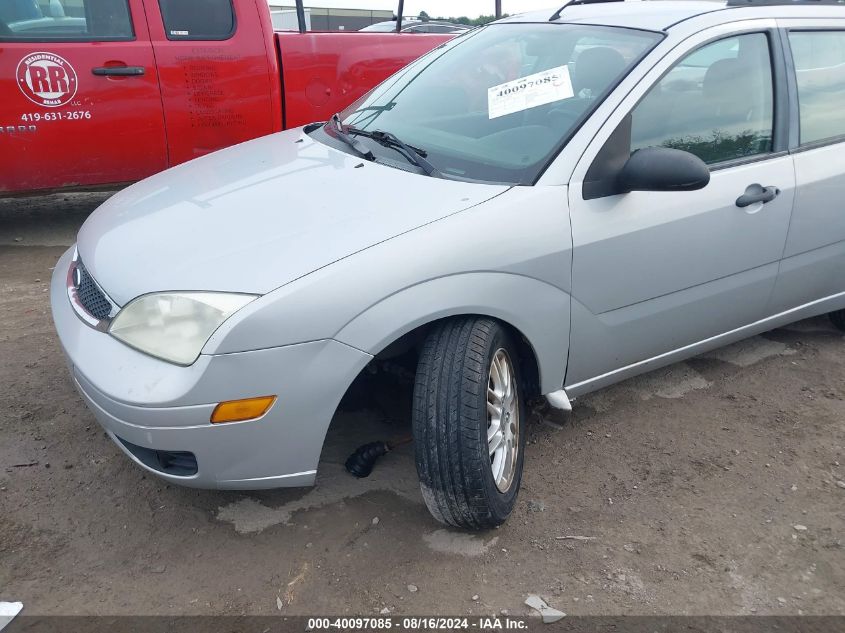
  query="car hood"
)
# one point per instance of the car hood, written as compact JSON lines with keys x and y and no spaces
{"x":256,"y":216}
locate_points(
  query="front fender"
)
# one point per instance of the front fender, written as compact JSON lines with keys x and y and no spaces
{"x":537,"y":309}
{"x":509,"y":257}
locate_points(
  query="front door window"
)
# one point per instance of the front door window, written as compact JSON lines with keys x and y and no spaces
{"x":716,"y":103}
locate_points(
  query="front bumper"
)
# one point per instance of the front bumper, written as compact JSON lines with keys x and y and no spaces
{"x":146,"y":404}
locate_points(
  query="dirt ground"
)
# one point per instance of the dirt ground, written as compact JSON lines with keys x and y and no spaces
{"x":709,"y":487}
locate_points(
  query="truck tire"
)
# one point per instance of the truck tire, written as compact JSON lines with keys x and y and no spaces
{"x":469,"y":423}
{"x":838,"y":319}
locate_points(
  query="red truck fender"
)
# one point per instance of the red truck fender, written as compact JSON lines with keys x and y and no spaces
{"x":325,"y":72}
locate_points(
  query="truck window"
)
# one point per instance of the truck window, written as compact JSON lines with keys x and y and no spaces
{"x":64,"y":20}
{"x":198,"y":19}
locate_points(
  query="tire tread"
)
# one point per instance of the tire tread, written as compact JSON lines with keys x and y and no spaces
{"x":452,"y":370}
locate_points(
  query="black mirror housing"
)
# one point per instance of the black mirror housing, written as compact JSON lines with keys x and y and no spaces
{"x":616,"y":170}
{"x":662,"y":169}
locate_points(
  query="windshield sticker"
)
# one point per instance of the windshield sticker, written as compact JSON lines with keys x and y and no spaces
{"x":529,"y":92}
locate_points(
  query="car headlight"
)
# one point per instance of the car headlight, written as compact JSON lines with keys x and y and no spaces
{"x":175,"y":326}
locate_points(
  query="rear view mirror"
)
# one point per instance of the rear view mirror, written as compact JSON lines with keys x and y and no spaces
{"x":663,"y":169}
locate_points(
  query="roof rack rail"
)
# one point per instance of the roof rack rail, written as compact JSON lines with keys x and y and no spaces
{"x":573,"y":3}
{"x":773,"y":3}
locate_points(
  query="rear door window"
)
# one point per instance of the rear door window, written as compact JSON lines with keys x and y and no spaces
{"x":64,"y":20}
{"x":820,"y":71}
{"x":198,"y":19}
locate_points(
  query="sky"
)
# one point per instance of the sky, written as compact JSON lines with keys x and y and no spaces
{"x":445,"y":8}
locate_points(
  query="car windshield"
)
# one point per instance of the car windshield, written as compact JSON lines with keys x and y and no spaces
{"x":496,"y":104}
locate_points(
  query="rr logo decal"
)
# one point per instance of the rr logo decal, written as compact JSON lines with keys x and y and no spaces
{"x":47,"y":79}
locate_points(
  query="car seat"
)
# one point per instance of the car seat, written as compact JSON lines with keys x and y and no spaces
{"x":595,"y":70}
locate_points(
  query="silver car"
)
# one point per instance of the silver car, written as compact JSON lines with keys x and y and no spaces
{"x":595,"y":192}
{"x":415,"y":25}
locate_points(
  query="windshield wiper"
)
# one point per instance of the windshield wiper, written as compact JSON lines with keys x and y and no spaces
{"x":356,"y":145}
{"x":414,"y":155}
{"x":378,"y":108}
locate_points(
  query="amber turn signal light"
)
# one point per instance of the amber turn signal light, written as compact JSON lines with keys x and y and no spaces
{"x":241,"y":410}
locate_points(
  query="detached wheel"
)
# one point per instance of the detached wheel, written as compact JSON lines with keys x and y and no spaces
{"x":838,"y":319}
{"x":469,"y":423}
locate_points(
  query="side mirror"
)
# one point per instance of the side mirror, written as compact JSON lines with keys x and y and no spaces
{"x":662,"y":169}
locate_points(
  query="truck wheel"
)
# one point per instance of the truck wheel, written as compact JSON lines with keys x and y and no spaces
{"x":838,"y":319}
{"x":469,"y":423}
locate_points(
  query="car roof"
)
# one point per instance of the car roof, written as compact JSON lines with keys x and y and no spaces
{"x":660,"y":15}
{"x":444,"y":23}
{"x":436,"y":23}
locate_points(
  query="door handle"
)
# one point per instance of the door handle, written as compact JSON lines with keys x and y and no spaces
{"x":118,"y":71}
{"x":757,"y":193}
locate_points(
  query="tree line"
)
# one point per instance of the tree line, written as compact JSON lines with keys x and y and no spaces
{"x":482,"y":19}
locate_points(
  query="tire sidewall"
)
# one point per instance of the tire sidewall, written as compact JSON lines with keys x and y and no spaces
{"x":501,"y":504}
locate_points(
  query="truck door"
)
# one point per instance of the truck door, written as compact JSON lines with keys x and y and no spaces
{"x":80,"y":102}
{"x":218,"y":71}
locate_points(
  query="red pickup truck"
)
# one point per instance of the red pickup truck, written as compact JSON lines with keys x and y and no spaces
{"x":105,"y":92}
